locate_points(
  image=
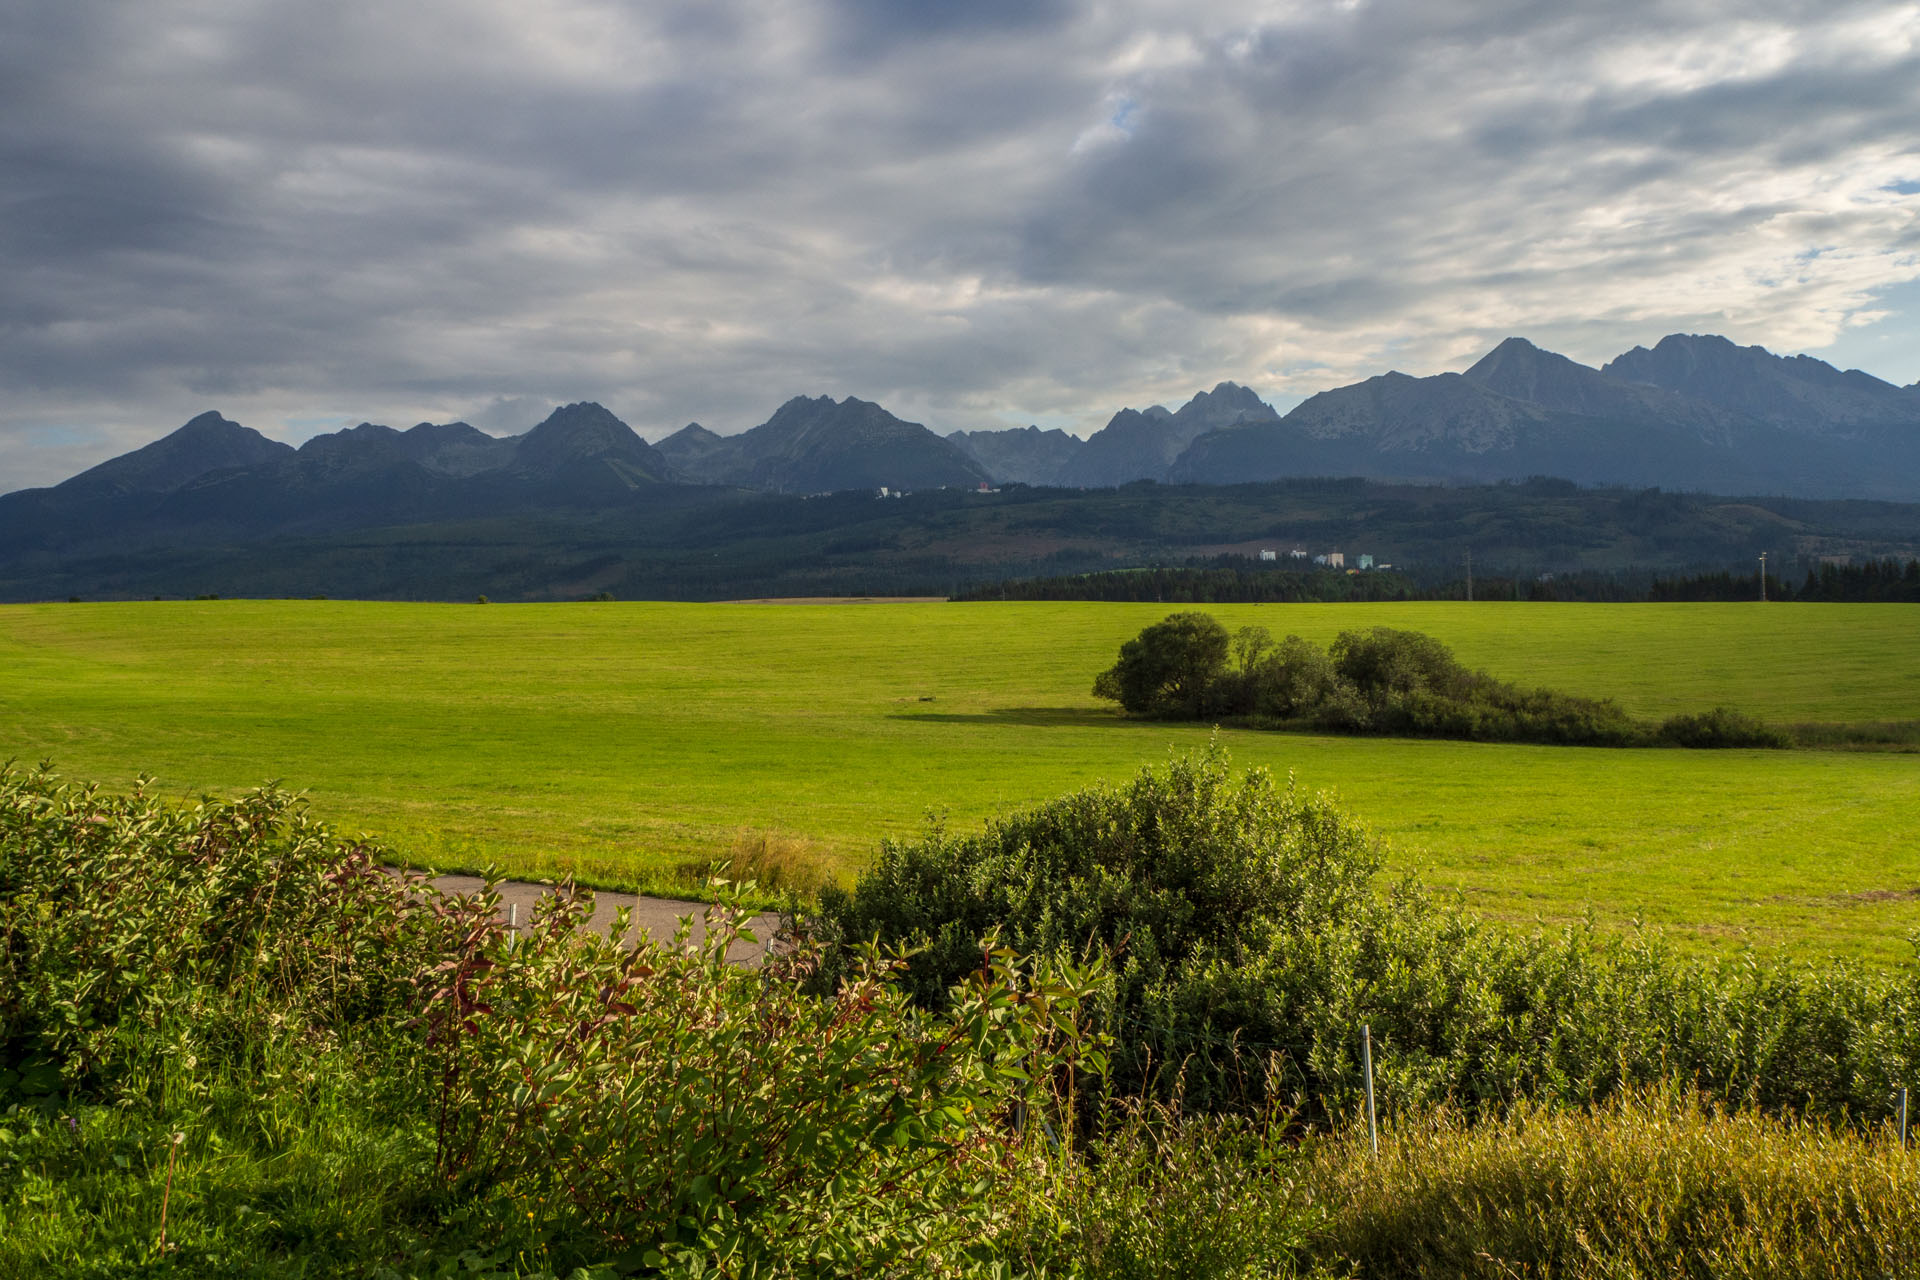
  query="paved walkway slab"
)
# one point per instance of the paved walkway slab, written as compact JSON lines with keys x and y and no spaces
{"x":657,"y":918}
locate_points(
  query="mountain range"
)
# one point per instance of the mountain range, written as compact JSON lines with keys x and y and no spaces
{"x":1692,"y":412}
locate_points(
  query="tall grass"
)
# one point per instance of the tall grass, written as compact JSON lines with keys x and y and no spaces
{"x":1647,"y":1187}
{"x":784,"y":868}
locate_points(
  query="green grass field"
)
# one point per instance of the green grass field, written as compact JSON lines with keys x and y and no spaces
{"x":619,"y":741}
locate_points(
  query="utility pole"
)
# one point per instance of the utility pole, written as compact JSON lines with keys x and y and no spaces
{"x":1469,"y":575}
{"x":1763,"y":577}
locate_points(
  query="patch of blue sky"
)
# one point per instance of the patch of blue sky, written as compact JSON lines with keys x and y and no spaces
{"x":1888,"y":348}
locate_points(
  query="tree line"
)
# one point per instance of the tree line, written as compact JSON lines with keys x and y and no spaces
{"x":1223,"y":581}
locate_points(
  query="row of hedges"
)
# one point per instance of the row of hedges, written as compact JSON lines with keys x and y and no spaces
{"x":1381,"y":680}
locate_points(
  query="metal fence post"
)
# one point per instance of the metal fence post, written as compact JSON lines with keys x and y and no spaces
{"x":1366,"y":1062}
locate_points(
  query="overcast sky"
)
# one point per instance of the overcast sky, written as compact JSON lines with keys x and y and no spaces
{"x":979,"y":213}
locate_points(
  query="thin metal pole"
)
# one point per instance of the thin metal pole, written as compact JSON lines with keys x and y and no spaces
{"x":1366,"y":1062}
{"x":1903,"y":1117}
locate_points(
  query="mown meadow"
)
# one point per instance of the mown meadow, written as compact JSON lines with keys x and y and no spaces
{"x":626,"y":743}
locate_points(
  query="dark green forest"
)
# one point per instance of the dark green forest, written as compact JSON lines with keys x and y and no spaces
{"x":709,"y":544}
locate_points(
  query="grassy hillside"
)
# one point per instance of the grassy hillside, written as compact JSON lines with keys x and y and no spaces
{"x":619,"y":740}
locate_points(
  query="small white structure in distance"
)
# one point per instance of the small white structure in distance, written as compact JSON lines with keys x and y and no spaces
{"x":1338,"y":559}
{"x":1269,"y":555}
{"x":1366,"y":562}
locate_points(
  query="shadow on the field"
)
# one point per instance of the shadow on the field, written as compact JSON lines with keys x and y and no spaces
{"x":1036,"y":717}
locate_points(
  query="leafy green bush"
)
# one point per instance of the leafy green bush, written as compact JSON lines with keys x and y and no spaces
{"x":1169,"y":669}
{"x":1252,"y":943}
{"x":370,"y":1078}
{"x":707,"y":1114}
{"x":234,"y":973}
{"x":1720,"y":727}
{"x":1178,"y":874}
{"x":136,"y":931}
{"x":1164,"y":1193}
{"x":1381,"y":680}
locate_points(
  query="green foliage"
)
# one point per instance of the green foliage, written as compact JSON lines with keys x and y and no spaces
{"x":136,"y":932}
{"x":1166,"y":1193}
{"x":1720,"y":727}
{"x":1381,"y":680}
{"x":1251,"y":943}
{"x":427,"y":1098}
{"x":1877,"y":580}
{"x":702,"y":1114}
{"x":317,"y":1028}
{"x":1176,"y":874}
{"x":1169,"y":669}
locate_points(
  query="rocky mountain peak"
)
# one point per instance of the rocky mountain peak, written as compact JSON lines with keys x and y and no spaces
{"x":206,"y":442}
{"x":1796,"y":392}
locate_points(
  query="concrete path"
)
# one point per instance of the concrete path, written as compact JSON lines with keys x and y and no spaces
{"x":657,"y":918}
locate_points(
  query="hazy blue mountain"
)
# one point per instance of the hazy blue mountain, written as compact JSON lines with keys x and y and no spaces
{"x":1136,"y":444}
{"x":1142,"y":444}
{"x":101,"y":500}
{"x":1797,"y":392}
{"x":814,"y":445}
{"x":1021,"y":455}
{"x":206,"y":443}
{"x":214,"y":480}
{"x":584,"y":445}
{"x":456,"y":449}
{"x":1225,"y":405}
{"x":696,"y":452}
{"x":1690,"y":413}
{"x":1522,"y":412}
{"x":1521,"y":371}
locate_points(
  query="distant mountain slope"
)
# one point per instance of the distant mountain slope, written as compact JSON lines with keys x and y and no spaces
{"x":206,"y":443}
{"x":584,"y":447}
{"x":1136,"y":444}
{"x":696,"y":452}
{"x":1021,"y":455}
{"x":454,"y":448}
{"x":814,"y":445}
{"x":1685,"y":420}
{"x":1692,"y":412}
{"x":1797,"y":392}
{"x":1521,"y":371}
{"x":215,"y":480}
{"x":1142,"y":444}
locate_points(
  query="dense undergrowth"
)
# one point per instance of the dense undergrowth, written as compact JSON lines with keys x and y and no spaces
{"x":1253,"y":939}
{"x":1388,"y":681}
{"x":232,"y":1045}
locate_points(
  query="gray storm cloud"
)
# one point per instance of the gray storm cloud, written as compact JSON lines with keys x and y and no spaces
{"x":977,"y":214}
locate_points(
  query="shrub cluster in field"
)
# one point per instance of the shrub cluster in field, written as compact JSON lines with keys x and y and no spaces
{"x":1251,"y":942}
{"x":233,"y":1044}
{"x":1381,"y":680}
